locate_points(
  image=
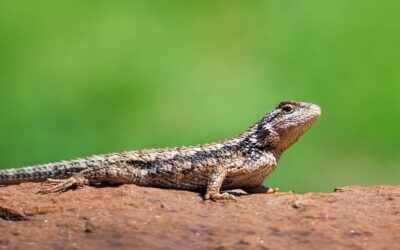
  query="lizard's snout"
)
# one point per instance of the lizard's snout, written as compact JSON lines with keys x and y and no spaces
{"x":315,"y":109}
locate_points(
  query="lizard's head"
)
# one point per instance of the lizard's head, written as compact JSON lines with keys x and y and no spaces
{"x":286,"y":123}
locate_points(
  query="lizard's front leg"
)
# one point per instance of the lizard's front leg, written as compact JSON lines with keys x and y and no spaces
{"x":214,"y":185}
{"x":261,"y":189}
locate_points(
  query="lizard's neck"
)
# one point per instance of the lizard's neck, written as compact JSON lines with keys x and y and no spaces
{"x":262,"y":138}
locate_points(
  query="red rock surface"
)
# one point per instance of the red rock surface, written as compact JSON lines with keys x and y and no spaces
{"x":128,"y":216}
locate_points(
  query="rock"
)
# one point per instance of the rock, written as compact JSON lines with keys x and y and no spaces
{"x":128,"y":216}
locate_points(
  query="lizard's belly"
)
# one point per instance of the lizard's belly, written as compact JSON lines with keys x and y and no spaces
{"x":194,"y":178}
{"x":252,"y":179}
{"x":197,"y":178}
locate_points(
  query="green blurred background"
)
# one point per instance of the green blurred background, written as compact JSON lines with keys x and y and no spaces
{"x":86,"y":77}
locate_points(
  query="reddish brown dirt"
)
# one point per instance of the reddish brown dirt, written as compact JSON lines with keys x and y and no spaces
{"x":129,"y":217}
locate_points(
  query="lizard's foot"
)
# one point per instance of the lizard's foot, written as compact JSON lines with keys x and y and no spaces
{"x":273,"y":190}
{"x":219,"y":197}
{"x":261,"y":190}
{"x":56,"y":185}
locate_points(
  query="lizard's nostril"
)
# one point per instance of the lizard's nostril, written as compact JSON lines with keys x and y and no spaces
{"x":316,"y":109}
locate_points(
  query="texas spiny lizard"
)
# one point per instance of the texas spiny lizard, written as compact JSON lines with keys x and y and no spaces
{"x":242,"y":162}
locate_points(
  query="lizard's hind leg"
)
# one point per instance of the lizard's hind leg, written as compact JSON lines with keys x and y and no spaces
{"x":59,"y":185}
{"x":261,"y":190}
{"x":85,"y":177}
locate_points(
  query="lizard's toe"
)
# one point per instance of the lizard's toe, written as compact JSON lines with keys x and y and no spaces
{"x":51,"y":181}
{"x":273,"y":190}
{"x":220,"y":197}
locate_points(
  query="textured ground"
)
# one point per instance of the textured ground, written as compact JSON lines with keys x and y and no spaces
{"x":134,"y":217}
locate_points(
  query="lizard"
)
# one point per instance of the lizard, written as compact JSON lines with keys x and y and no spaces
{"x":242,"y":162}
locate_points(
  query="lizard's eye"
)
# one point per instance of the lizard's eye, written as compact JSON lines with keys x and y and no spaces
{"x":287,"y":109}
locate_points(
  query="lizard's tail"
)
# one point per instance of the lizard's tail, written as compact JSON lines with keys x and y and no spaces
{"x":40,"y":173}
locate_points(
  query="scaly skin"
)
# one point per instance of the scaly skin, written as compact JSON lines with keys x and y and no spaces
{"x":241,"y":162}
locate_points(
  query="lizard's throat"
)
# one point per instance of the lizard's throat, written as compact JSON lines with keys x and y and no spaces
{"x":282,"y":146}
{"x":287,"y":139}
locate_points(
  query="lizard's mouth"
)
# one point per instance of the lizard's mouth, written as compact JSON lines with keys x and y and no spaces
{"x":310,"y":117}
{"x":314,"y":114}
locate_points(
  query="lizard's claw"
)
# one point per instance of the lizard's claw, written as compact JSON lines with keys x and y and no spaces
{"x":219,"y":197}
{"x":56,"y":185}
{"x":272,"y":190}
{"x":261,"y":190}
